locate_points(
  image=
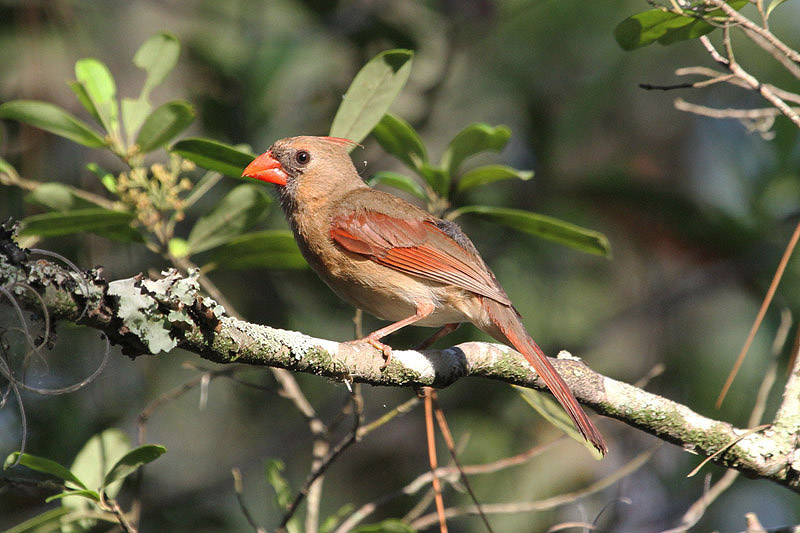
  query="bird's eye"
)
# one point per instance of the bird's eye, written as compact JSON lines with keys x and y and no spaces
{"x":302,"y":157}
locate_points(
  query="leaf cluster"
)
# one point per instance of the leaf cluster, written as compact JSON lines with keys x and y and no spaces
{"x":88,"y":490}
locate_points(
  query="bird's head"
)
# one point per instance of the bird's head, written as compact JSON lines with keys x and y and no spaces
{"x":320,"y":163}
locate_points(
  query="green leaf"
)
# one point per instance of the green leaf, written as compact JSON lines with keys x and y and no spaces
{"x":134,"y":111}
{"x":44,"y":465}
{"x":54,"y":119}
{"x":105,"y":222}
{"x":371,"y":93}
{"x":773,"y":5}
{"x":236,"y":213}
{"x":271,"y":249}
{"x":91,"y":495}
{"x":83,"y":97}
{"x":551,"y":410}
{"x":41,"y":523}
{"x":489,"y":174}
{"x":157,"y":56}
{"x":331,"y":521}
{"x":100,"y":92}
{"x":108,"y":179}
{"x":132,"y":461}
{"x":7,"y":168}
{"x":58,"y":197}
{"x":398,"y":138}
{"x":664,"y":27}
{"x":91,"y":464}
{"x":164,"y":123}
{"x":273,"y":471}
{"x":543,"y":226}
{"x":214,"y":155}
{"x":436,"y":178}
{"x":179,"y":247}
{"x":472,"y":140}
{"x":398,"y":181}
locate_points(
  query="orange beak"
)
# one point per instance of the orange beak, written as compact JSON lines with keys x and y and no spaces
{"x":266,"y":168}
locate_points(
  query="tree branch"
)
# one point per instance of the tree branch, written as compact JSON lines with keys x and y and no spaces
{"x":150,"y":316}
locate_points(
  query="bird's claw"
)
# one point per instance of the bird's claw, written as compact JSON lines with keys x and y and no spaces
{"x":385,"y":349}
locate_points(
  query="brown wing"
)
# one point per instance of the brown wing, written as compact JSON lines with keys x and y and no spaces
{"x":419,"y":247}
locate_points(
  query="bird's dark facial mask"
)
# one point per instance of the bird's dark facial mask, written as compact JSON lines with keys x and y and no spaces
{"x":266,"y":168}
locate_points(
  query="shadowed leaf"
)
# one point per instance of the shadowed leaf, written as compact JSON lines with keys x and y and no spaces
{"x":164,"y":123}
{"x":543,"y":226}
{"x":213,"y":155}
{"x":236,"y":213}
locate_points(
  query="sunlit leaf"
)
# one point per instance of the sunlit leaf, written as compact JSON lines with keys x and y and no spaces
{"x":666,"y":27}
{"x":773,"y":5}
{"x":474,"y":139}
{"x":54,"y":119}
{"x":44,"y":465}
{"x":543,"y":226}
{"x":178,"y":247}
{"x":271,"y":249}
{"x":398,"y":138}
{"x":273,"y":471}
{"x":83,"y":97}
{"x":489,"y":174}
{"x":236,"y":213}
{"x":108,"y":179}
{"x":157,"y":56}
{"x":398,"y":181}
{"x":134,"y":112}
{"x":164,"y":123}
{"x":91,"y":495}
{"x":101,"y":91}
{"x":132,"y":461}
{"x":214,"y":155}
{"x":371,"y":93}
{"x":96,"y":458}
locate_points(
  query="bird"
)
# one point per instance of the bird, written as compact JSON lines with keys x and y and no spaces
{"x":394,"y":260}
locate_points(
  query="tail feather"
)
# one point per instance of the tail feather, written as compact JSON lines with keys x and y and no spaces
{"x":508,"y":329}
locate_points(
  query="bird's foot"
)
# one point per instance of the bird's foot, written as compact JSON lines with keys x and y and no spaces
{"x":385,"y":349}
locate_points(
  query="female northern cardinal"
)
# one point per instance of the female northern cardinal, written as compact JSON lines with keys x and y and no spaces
{"x":392,"y":259}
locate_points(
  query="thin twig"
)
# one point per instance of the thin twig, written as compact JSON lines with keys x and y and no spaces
{"x":781,"y":58}
{"x":401,"y":409}
{"x":432,"y":460}
{"x":745,"y":22}
{"x":549,"y":503}
{"x":696,"y":511}
{"x":740,"y":114}
{"x":423,"y":480}
{"x":337,"y":450}
{"x":786,"y":417}
{"x":238,"y":489}
{"x":111,"y":505}
{"x":451,"y":446}
{"x":773,"y":286}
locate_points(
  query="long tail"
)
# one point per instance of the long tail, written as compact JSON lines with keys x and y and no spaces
{"x":508,"y":329}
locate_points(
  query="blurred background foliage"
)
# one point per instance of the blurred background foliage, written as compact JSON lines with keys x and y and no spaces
{"x":697,"y":212}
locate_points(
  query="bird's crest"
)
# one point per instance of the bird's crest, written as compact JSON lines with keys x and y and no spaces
{"x":341,"y":141}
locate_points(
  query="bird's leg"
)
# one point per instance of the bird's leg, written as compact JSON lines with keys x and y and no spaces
{"x":438,"y":334}
{"x":374,"y":338}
